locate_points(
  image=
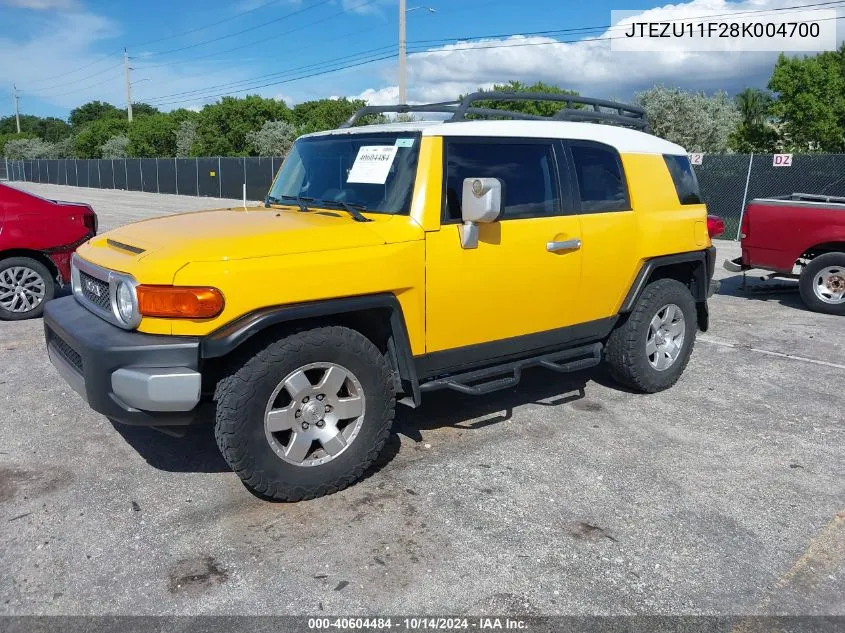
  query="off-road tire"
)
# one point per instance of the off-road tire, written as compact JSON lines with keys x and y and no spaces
{"x":243,"y":394}
{"x":626,"y":346}
{"x":46,"y":278}
{"x":807,"y":279}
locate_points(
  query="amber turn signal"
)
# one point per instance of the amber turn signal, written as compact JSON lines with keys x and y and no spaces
{"x":179,"y":302}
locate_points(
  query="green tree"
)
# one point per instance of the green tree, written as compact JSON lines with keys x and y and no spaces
{"x":13,"y":136}
{"x":273,"y":139}
{"x":324,"y":114}
{"x":810,"y":101}
{"x":50,"y":129}
{"x":152,"y":136}
{"x":186,"y":137}
{"x":91,"y":137}
{"x":94,"y":111}
{"x":694,"y":120}
{"x":27,"y":148}
{"x":115,"y":147}
{"x":143,"y":109}
{"x":223,"y":126}
{"x":541,"y":108}
{"x":754,"y":132}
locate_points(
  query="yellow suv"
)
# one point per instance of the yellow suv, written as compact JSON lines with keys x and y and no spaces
{"x":388,"y":261}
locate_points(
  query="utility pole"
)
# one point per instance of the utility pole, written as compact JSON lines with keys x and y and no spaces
{"x":17,"y":107}
{"x":403,"y":96}
{"x":126,"y":70}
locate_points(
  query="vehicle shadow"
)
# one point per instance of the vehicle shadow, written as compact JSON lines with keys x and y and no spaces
{"x":196,"y":451}
{"x":783,"y":291}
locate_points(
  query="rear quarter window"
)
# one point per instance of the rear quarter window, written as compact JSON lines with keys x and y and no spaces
{"x":686,"y":184}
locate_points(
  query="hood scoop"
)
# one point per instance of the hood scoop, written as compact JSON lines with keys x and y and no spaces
{"x":125,"y":247}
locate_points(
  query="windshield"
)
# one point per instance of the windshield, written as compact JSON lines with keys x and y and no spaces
{"x":373,"y":172}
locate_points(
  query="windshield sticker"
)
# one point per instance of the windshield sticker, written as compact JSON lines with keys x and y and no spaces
{"x":404,"y":142}
{"x":372,"y":165}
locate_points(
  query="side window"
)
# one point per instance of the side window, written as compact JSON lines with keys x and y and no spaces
{"x":600,"y":178}
{"x":527,"y":171}
{"x":686,"y":184}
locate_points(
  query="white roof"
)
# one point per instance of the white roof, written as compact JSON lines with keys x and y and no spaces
{"x":625,"y":140}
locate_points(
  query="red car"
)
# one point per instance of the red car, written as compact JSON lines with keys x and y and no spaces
{"x":800,"y":236}
{"x":37,"y":238}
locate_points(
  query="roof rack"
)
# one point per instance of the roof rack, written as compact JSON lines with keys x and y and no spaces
{"x":575,"y":109}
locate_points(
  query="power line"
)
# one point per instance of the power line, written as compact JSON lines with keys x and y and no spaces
{"x":76,"y":81}
{"x":252,"y":44}
{"x":318,"y":70}
{"x":247,"y":30}
{"x":202,"y":28}
{"x":155,"y":41}
{"x":197,"y":93}
{"x":282,"y":73}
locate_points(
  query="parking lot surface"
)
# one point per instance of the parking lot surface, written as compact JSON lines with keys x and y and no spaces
{"x":566,"y":495}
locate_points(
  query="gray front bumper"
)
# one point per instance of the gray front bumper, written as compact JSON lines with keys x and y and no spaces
{"x":129,"y":377}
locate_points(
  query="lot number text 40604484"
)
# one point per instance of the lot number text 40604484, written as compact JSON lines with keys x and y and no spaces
{"x":417,"y":624}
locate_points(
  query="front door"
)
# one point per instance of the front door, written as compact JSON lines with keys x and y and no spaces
{"x":524,"y":276}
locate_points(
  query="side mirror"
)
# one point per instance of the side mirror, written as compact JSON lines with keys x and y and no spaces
{"x":481,"y":202}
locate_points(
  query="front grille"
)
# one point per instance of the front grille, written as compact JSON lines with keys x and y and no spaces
{"x":95,"y":290}
{"x":66,"y":351}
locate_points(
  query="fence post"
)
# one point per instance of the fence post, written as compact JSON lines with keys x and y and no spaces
{"x":99,"y":175}
{"x":158,"y":188}
{"x":744,"y":196}
{"x":141,"y":171}
{"x":219,"y":178}
{"x":47,"y":165}
{"x":176,"y":174}
{"x":197,"y":163}
{"x":126,"y":173}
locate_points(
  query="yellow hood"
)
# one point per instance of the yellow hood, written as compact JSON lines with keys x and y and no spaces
{"x":227,"y":234}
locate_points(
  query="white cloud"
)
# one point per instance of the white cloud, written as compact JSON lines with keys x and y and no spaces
{"x":588,"y":65}
{"x":39,"y":5}
{"x":62,"y":63}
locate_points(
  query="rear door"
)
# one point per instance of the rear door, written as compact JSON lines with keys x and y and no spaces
{"x":608,"y":228}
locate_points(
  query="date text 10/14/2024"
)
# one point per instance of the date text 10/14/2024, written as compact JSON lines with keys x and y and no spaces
{"x":416,"y":624}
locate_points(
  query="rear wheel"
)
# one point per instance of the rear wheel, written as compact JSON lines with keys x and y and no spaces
{"x":306,"y":415}
{"x":25,"y":286}
{"x":650,"y":350}
{"x":822,"y":283}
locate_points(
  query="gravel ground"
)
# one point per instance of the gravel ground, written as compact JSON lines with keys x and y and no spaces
{"x":567,"y":495}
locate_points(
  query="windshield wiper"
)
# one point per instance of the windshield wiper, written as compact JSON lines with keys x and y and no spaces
{"x":299,"y":200}
{"x":352,"y":209}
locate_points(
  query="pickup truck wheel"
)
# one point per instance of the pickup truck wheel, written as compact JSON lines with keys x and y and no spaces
{"x":306,"y":415}
{"x":650,"y":350}
{"x":25,"y":286}
{"x":822,"y":283}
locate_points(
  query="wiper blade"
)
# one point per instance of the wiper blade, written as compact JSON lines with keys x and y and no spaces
{"x":299,"y":200}
{"x":352,"y":209}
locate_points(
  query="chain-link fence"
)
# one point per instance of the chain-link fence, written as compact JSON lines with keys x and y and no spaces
{"x":211,"y":177}
{"x":4,"y":169}
{"x":728,"y":181}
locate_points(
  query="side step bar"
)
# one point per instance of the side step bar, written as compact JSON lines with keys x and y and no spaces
{"x":566,"y":361}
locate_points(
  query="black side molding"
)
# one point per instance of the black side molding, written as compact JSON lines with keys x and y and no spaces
{"x":229,"y":337}
{"x":703,"y":272}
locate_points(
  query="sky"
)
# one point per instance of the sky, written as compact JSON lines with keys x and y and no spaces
{"x":186,"y":53}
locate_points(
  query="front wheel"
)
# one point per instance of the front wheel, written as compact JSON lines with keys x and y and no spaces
{"x":306,"y":415}
{"x":25,"y":286}
{"x":822,"y":283}
{"x":650,"y":350}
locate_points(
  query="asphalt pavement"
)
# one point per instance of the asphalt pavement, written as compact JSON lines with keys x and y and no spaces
{"x":566,"y":495}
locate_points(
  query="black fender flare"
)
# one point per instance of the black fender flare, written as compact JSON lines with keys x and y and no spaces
{"x":232,"y":335}
{"x":704,"y":264}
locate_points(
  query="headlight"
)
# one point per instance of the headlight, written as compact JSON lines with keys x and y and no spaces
{"x":125,"y":299}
